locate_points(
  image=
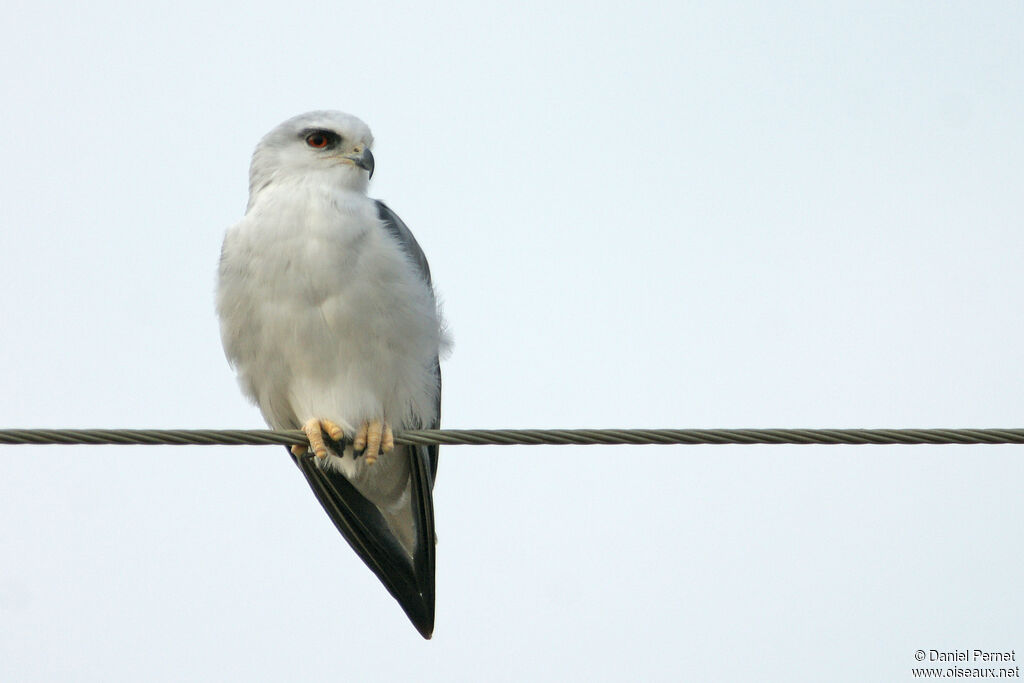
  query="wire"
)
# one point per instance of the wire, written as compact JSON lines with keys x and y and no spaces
{"x":522,"y":437}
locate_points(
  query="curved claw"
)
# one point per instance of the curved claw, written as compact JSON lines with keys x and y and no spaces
{"x":316,"y":437}
{"x":314,"y":430}
{"x":373,"y":438}
{"x":359,"y":443}
{"x":333,"y":430}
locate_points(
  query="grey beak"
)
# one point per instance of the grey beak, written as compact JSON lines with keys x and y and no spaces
{"x":365,"y":161}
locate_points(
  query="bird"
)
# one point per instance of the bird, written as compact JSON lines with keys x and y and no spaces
{"x":329,"y":317}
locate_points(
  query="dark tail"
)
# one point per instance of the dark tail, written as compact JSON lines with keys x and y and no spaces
{"x":410,"y":581}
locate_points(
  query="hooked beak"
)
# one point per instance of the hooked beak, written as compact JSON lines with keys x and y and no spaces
{"x":363,"y":159}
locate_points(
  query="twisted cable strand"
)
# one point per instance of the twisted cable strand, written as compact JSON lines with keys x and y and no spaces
{"x":523,"y":437}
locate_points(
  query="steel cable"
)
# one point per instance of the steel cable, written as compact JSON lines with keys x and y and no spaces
{"x":523,"y":437}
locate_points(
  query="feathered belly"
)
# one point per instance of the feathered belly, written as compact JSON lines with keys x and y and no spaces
{"x":347,"y":336}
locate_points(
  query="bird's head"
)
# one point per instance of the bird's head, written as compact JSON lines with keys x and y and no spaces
{"x":329,"y":145}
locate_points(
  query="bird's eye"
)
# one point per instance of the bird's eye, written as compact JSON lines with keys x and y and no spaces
{"x":318,"y":140}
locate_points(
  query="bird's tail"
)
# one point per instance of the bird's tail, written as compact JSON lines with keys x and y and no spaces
{"x":409,"y":579}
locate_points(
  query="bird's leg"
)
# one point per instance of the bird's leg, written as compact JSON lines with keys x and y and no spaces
{"x":314,"y":430}
{"x":373,"y":438}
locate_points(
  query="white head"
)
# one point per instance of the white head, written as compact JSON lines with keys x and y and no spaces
{"x":330,"y":145}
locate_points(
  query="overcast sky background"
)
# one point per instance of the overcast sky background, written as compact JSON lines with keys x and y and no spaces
{"x":736,"y":215}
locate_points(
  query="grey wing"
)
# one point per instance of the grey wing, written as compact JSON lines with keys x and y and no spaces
{"x":401,"y":232}
{"x":410,"y":580}
{"x":403,"y":235}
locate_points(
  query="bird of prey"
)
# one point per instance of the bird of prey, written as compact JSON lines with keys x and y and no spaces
{"x":328,"y":314}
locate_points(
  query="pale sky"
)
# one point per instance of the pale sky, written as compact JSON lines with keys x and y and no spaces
{"x":698,"y":215}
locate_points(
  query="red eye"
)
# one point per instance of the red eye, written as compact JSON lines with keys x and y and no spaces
{"x":317,"y":140}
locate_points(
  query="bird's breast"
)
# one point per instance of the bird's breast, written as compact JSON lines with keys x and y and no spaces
{"x":322,"y":311}
{"x":305,"y":253}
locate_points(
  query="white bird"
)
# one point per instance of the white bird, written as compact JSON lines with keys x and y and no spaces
{"x":328,"y":314}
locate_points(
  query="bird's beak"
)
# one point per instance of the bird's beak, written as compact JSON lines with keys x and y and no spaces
{"x":363,"y":159}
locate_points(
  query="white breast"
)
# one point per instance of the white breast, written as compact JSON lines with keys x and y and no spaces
{"x":324,"y":315}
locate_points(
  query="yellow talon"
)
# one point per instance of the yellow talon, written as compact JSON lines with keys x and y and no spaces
{"x":316,"y":437}
{"x":333,"y":430}
{"x":359,"y":443}
{"x":373,"y":438}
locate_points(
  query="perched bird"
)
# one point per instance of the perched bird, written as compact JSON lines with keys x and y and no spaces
{"x":328,"y":314}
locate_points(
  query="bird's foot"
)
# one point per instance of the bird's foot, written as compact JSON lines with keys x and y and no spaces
{"x":314,"y":430}
{"x":373,"y":438}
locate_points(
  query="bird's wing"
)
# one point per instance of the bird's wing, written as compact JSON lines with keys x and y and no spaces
{"x":401,"y":233}
{"x":410,"y":581}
